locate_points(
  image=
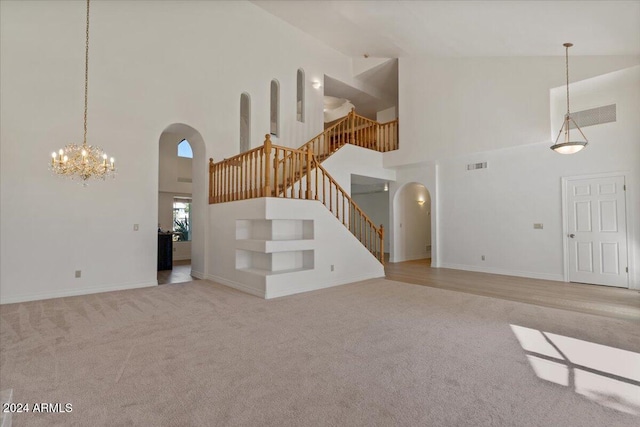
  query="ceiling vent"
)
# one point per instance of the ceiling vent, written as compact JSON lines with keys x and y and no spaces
{"x":594,"y":116}
{"x":474,"y":166}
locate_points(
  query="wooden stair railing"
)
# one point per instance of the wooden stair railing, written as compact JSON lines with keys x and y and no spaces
{"x":245,"y":176}
{"x":331,"y":139}
{"x":275,"y":171}
{"x":356,"y":130}
{"x":339,"y":203}
{"x":289,"y":167}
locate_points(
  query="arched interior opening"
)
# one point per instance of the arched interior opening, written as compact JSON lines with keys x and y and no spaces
{"x":412,"y":224}
{"x":181,"y":204}
{"x":245,"y":122}
{"x":274,"y":104}
{"x":300,"y":95}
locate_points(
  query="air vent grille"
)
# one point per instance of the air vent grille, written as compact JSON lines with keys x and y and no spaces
{"x":474,"y":166}
{"x":180,"y":179}
{"x":594,"y":116}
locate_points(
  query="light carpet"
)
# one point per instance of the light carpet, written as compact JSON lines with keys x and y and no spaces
{"x":373,"y":353}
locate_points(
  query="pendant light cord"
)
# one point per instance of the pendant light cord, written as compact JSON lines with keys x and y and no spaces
{"x":567,"y":68}
{"x":86,"y":77}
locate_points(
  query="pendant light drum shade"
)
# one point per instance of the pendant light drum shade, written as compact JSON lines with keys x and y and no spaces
{"x":568,"y":146}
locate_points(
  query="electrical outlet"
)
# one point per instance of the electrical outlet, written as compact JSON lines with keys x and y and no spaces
{"x":332,"y":268}
{"x":538,"y":226}
{"x":78,"y":274}
{"x":136,"y":227}
{"x":482,"y":257}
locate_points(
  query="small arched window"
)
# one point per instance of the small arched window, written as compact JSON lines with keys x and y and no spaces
{"x":300,"y":95}
{"x":184,"y":149}
{"x":275,"y":108}
{"x":245,"y":122}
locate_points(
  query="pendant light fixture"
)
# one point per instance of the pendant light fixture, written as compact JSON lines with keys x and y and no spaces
{"x":568,"y":146}
{"x":84,"y":161}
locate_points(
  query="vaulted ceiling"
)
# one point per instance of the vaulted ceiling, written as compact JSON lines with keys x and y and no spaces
{"x":391,"y":29}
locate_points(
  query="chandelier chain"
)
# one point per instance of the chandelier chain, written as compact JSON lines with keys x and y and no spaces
{"x":86,"y":78}
{"x":84,"y":161}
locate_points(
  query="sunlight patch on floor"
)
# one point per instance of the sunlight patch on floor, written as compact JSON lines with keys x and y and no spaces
{"x":607,"y":375}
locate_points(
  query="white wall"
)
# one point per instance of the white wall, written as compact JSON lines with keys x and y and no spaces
{"x":338,"y":257}
{"x":152,"y":64}
{"x":172,"y":167}
{"x":351,"y":159}
{"x":420,"y":175}
{"x":173,"y":172}
{"x":412,"y":223}
{"x":157,"y":63}
{"x":387,"y":115}
{"x":454,"y":106}
{"x":181,"y":251}
{"x":491,"y":211}
{"x":376,"y":206}
{"x":165,"y":211}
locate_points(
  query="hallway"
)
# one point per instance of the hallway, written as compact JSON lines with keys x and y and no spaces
{"x":181,"y":273}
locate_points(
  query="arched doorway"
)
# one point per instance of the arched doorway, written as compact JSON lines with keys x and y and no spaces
{"x":245,"y":122}
{"x":412,"y":224}
{"x":182,"y":184}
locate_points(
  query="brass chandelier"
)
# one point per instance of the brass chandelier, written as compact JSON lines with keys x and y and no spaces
{"x":568,"y":146}
{"x":84,"y":161}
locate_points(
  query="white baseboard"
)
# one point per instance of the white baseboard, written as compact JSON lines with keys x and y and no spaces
{"x":75,"y":292}
{"x":236,"y":285}
{"x":503,"y":272}
{"x":308,"y":288}
{"x":412,"y":257}
{"x":198,"y":274}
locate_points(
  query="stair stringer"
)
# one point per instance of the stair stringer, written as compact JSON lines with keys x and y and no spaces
{"x":329,"y":255}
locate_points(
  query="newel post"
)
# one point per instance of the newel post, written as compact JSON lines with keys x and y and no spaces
{"x":353,"y":126}
{"x":382,"y":243}
{"x":211,"y":187}
{"x":309,"y":158}
{"x":268,"y":165}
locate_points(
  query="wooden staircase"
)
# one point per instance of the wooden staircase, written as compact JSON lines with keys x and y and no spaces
{"x":276,"y":171}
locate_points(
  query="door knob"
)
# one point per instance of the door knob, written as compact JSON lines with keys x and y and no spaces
{"x":572,"y":235}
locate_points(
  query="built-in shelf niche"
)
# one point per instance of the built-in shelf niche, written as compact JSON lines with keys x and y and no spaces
{"x":274,"y":263}
{"x":274,"y":229}
{"x":274,"y":246}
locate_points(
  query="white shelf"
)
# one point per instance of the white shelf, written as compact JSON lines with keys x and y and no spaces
{"x":270,"y":246}
{"x":261,"y":272}
{"x":274,"y":229}
{"x":278,"y":246}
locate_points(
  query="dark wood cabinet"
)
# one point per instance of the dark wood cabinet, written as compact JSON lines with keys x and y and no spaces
{"x":165,"y":251}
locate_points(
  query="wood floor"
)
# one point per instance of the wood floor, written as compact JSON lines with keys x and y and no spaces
{"x":180,"y":273}
{"x":600,"y":300}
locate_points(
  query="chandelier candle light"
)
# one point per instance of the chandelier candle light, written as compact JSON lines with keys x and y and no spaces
{"x":83,"y":161}
{"x":568,"y":146}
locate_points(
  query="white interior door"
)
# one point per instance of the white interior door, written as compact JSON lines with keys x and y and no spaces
{"x":597,"y":234}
